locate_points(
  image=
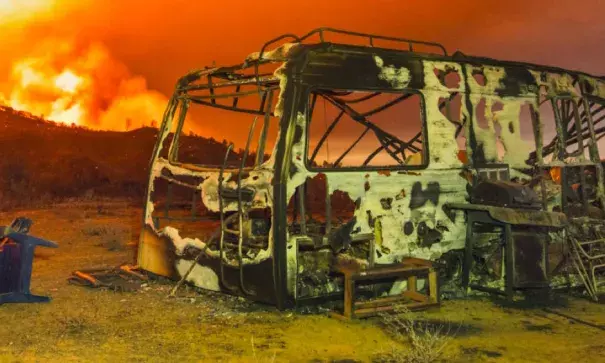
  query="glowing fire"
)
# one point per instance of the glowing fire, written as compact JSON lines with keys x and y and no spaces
{"x":12,"y":7}
{"x":68,"y":81}
{"x":83,"y":84}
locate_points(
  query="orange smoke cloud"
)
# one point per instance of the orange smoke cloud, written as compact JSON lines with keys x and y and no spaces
{"x":67,"y":82}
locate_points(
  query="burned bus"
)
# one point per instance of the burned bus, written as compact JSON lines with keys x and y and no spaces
{"x":361,"y":150}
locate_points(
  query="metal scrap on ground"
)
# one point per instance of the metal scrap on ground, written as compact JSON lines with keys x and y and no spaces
{"x":122,"y":278}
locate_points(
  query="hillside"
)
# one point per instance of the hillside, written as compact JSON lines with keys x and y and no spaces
{"x":44,"y":161}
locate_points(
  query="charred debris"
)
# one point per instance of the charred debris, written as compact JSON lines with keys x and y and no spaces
{"x":364,"y":151}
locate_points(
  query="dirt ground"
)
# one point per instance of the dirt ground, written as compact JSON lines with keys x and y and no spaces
{"x":82,"y":324}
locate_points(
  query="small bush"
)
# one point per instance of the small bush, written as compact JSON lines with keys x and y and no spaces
{"x":427,"y":340}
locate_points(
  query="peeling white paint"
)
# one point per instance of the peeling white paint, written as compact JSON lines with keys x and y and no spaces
{"x":280,"y":53}
{"x":298,"y":157}
{"x":383,"y":186}
{"x":292,"y":265}
{"x":432,"y":82}
{"x":181,"y":243}
{"x":515,"y":147}
{"x":493,"y":77}
{"x":397,"y":77}
{"x":259,"y":180}
{"x":280,"y":73}
{"x":443,"y":146}
{"x":200,"y":276}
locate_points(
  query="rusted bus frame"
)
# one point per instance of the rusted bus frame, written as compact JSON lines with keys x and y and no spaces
{"x":196,"y":188}
{"x":370,"y":37}
{"x":264,"y":109}
{"x":537,"y":157}
{"x":486,"y":61}
{"x":446,"y":104}
{"x":229,"y":73}
{"x":588,"y":105}
{"x":167,"y":119}
{"x":559,"y":107}
{"x":168,"y":202}
{"x":181,"y":101}
{"x":327,"y":133}
{"x":240,"y":212}
{"x":260,"y":153}
{"x":223,"y":223}
{"x":293,"y":100}
{"x":567,"y":120}
{"x":594,"y":151}
{"x":248,"y":81}
{"x":269,"y":85}
{"x":589,"y":102}
{"x":265,"y":83}
{"x":569,"y":136}
{"x":380,"y":134}
{"x":361,"y":118}
{"x":174,"y":145}
{"x":585,"y":135}
{"x":343,"y":106}
{"x":408,"y":145}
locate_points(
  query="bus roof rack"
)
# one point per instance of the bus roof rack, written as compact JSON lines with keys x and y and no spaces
{"x":370,"y":37}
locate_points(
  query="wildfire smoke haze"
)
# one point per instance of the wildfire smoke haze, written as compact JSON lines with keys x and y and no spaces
{"x":76,"y":60}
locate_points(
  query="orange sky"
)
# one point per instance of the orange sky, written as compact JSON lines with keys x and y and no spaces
{"x":153,"y":42}
{"x":162,"y":39}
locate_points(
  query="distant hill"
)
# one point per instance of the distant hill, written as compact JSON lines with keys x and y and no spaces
{"x":43,"y":160}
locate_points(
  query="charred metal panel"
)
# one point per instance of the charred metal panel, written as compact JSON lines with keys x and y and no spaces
{"x":531,"y":264}
{"x":346,"y":68}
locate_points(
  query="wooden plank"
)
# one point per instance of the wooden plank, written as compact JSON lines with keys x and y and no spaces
{"x":338,"y":316}
{"x":412,"y":283}
{"x":420,"y":306}
{"x":390,"y":272}
{"x":433,"y":287}
{"x":416,"y":262}
{"x":509,"y":260}
{"x":380,"y":302}
{"x":362,"y":313}
{"x":416,"y":296}
{"x":349,"y":298}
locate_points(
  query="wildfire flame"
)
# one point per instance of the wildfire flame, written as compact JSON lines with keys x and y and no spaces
{"x":83,"y":84}
{"x":23,"y":8}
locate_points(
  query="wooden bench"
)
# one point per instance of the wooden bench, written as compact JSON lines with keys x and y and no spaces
{"x":410,"y":268}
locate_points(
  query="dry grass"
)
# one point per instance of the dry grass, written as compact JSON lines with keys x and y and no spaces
{"x":110,"y":236}
{"x":89,"y":325}
{"x":427,"y":340}
{"x":262,"y":357}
